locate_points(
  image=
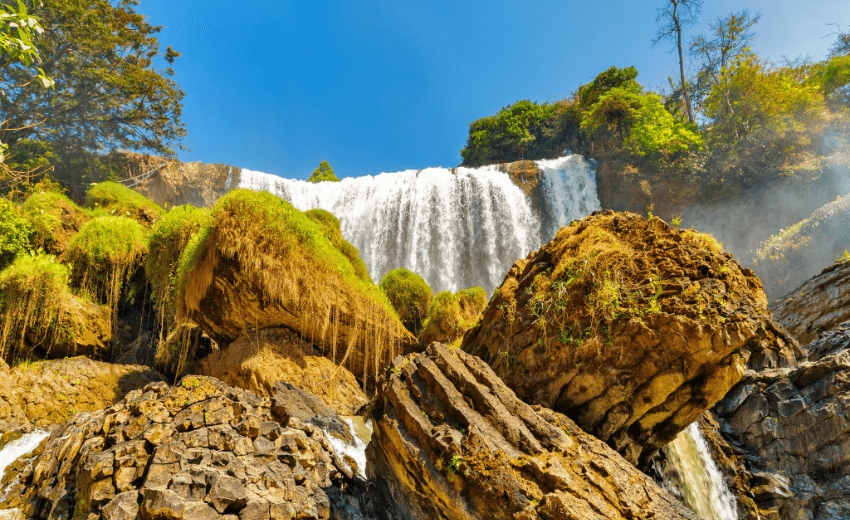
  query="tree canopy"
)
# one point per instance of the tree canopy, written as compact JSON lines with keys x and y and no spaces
{"x":324,"y":173}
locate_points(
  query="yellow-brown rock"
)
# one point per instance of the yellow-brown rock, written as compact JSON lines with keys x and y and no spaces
{"x":629,"y":327}
{"x":258,"y":360}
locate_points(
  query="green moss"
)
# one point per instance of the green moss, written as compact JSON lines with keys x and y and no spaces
{"x":104,"y":255}
{"x":168,"y":238}
{"x":15,"y":232}
{"x":409,"y":295}
{"x":55,"y":219}
{"x":34,"y":299}
{"x":450,"y":315}
{"x":331,"y":227}
{"x":118,"y":200}
{"x":324,"y":173}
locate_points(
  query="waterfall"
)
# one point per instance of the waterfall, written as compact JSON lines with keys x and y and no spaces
{"x":456,"y":228}
{"x":690,"y":473}
{"x":9,"y":454}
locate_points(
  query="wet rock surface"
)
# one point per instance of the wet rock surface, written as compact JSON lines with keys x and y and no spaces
{"x":793,"y":426}
{"x":451,"y":441}
{"x":258,"y":360}
{"x":41,"y":394}
{"x":640,"y":377}
{"x":818,"y":305}
{"x":194,"y":451}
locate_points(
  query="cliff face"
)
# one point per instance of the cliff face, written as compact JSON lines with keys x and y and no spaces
{"x":175,"y":183}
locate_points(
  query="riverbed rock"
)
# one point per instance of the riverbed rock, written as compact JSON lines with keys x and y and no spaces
{"x":260,"y":359}
{"x":198,"y":450}
{"x":451,"y":441}
{"x":629,"y":327}
{"x":264,"y":264}
{"x":45,"y":393}
{"x":793,"y":426}
{"x":818,"y":305}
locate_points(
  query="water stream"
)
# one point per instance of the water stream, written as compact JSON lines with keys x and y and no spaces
{"x":456,"y":228}
{"x":12,"y":452}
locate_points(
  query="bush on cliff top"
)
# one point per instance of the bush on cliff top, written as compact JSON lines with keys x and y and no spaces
{"x":410,"y":296}
{"x":168,"y":238}
{"x":35,"y":305}
{"x":111,"y":198}
{"x":450,"y":315}
{"x":331,"y":226}
{"x":55,"y":219}
{"x":324,"y":173}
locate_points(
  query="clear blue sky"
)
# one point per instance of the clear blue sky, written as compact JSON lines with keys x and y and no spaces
{"x":278,"y":86}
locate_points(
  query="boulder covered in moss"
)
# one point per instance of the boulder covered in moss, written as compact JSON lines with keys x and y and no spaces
{"x":111,"y":198}
{"x":55,"y":220}
{"x":261,"y":263}
{"x":451,"y":315}
{"x":258,"y":360}
{"x":630,"y":327}
{"x":40,"y":317}
{"x":451,"y":441}
{"x":15,"y":231}
{"x":410,"y":296}
{"x":332,"y":229}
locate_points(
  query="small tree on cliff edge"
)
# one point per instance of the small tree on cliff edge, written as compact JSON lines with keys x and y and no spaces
{"x":672,"y":17}
{"x":323,"y":173}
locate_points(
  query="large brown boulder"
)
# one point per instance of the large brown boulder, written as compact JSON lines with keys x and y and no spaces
{"x":452,"y":441}
{"x":629,"y":327}
{"x":818,"y":305}
{"x":44,"y":393}
{"x":194,"y":451}
{"x":793,"y":429}
{"x":258,"y":360}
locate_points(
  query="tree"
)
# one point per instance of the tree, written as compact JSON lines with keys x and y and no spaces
{"x":675,"y":15}
{"x":108,"y":93}
{"x":324,"y":173}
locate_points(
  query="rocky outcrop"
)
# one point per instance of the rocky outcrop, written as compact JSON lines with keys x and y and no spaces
{"x":453,"y":442}
{"x":818,"y":305}
{"x":41,"y":394}
{"x":258,"y":360}
{"x":629,"y":327}
{"x":797,"y":253}
{"x":172,"y":183}
{"x":793,"y":425}
{"x":195,"y":451}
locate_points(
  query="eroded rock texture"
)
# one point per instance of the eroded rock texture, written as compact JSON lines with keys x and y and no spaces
{"x":793,"y":425}
{"x":41,"y":394}
{"x":818,"y":305}
{"x":175,"y":183}
{"x":200,"y":450}
{"x":629,"y":327}
{"x":453,"y":442}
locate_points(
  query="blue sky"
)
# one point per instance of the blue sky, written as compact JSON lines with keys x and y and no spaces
{"x":278,"y":86}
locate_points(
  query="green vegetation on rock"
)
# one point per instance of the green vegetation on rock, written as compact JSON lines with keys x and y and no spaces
{"x":331,"y":227}
{"x":55,"y":219}
{"x":450,"y":315}
{"x":168,"y":238}
{"x":15,"y":232}
{"x":324,"y":173}
{"x":111,"y":198}
{"x":410,"y":296}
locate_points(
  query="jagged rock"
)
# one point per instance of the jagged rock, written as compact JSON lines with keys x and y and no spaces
{"x":631,"y":328}
{"x":793,"y":427}
{"x":818,"y":305}
{"x":194,"y":451}
{"x":258,"y":360}
{"x":41,"y":394}
{"x":795,"y":254}
{"x":452,"y":441}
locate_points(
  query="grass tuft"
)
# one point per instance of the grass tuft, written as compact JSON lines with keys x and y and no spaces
{"x":111,"y":198}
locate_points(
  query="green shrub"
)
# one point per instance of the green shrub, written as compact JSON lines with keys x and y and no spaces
{"x":104,"y":255}
{"x":118,"y":200}
{"x":33,"y":300}
{"x":450,"y":315}
{"x":324,"y":173}
{"x":331,"y":227}
{"x":55,"y":220}
{"x":168,"y":238}
{"x":409,"y":295}
{"x":15,"y":232}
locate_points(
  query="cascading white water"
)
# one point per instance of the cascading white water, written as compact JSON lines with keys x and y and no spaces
{"x":692,"y":475}
{"x":9,"y":454}
{"x":456,"y":228}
